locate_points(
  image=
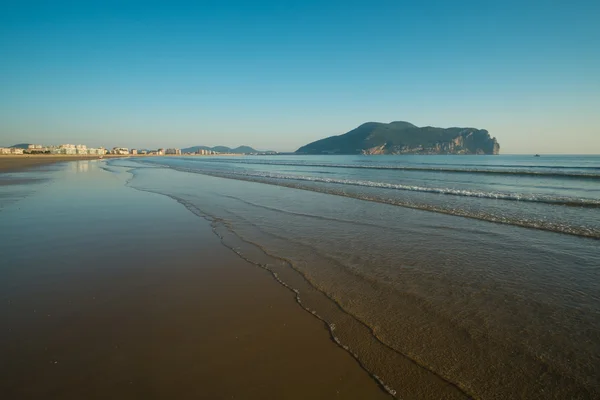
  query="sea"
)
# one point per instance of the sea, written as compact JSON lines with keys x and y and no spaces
{"x":442,"y":276}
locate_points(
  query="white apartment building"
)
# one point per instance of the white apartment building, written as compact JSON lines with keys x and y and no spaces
{"x":120,"y":151}
{"x":81,"y":149}
{"x":11,"y":150}
{"x":96,"y":152}
{"x":67,"y":149}
{"x":63,"y":149}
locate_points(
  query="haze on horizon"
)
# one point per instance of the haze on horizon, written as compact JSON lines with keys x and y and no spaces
{"x":277,"y":75}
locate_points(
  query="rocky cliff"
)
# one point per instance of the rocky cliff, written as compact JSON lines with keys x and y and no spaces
{"x":405,"y":138}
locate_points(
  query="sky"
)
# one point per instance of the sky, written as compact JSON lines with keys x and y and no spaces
{"x":279,"y":74}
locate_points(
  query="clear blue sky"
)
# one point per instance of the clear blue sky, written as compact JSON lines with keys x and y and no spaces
{"x":279,"y":74}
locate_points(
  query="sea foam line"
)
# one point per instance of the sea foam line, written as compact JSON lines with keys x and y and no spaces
{"x":564,"y":201}
{"x":559,"y":172}
{"x":214,"y":222}
{"x":581,"y":231}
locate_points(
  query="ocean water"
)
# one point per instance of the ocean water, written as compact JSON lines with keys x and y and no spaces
{"x":444,"y":276}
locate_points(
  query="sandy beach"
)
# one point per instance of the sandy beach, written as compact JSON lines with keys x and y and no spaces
{"x":109,"y":292}
{"x":20,"y":162}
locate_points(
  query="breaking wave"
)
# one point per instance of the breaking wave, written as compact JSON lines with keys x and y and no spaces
{"x":543,"y":171}
{"x":557,"y":200}
{"x":335,"y":187}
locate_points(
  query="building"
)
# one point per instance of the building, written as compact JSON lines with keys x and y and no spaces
{"x":96,"y":152}
{"x":173,"y":152}
{"x":63,"y":149}
{"x":67,"y":149}
{"x":160,"y":152}
{"x":11,"y":151}
{"x":123,"y":151}
{"x":36,"y":149}
{"x":134,"y":152}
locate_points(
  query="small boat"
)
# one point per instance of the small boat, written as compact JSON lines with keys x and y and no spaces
{"x":537,"y":155}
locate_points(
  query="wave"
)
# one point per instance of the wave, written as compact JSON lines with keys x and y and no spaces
{"x":313,"y":300}
{"x":344,"y":323}
{"x":313,"y":216}
{"x":296,"y":182}
{"x":556,"y":200}
{"x":531,"y":223}
{"x":527,"y":171}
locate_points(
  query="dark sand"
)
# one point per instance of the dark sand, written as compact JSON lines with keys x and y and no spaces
{"x":106,"y":292}
{"x":20,"y":162}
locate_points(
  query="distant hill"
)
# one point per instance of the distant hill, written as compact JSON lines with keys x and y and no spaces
{"x":401,"y":137}
{"x":195,"y":149}
{"x":221,"y":149}
{"x":20,"y":146}
{"x":244,"y":150}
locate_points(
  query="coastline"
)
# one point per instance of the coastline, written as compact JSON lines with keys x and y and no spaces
{"x":140,"y":298}
{"x":20,"y":162}
{"x":431,"y":324}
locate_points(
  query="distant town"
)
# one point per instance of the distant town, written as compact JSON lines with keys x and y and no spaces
{"x":83,"y":150}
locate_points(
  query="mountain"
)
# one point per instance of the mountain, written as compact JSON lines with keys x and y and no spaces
{"x":195,"y":149}
{"x":20,"y":146}
{"x":401,"y":137}
{"x":244,"y":150}
{"x":221,"y":149}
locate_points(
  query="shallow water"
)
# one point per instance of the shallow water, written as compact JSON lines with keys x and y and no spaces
{"x":444,"y":276}
{"x":108,"y":292}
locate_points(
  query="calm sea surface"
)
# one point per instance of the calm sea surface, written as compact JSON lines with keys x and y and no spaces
{"x":444,"y":276}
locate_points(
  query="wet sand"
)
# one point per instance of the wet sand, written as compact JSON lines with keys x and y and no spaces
{"x":107,"y":292}
{"x":20,"y":162}
{"x":11,"y":163}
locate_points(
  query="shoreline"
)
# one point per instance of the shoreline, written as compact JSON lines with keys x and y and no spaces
{"x":344,"y":258}
{"x":13,"y":163}
{"x":158,"y":306}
